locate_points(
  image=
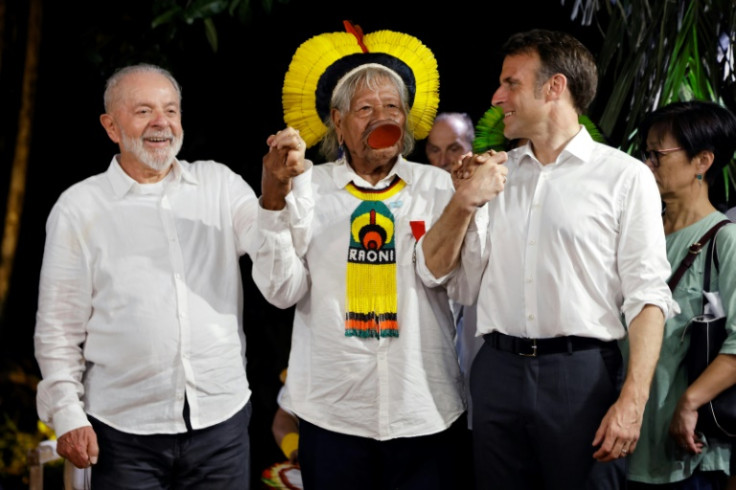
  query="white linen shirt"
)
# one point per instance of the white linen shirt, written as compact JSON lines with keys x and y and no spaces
{"x":570,"y":246}
{"x":383,"y":388}
{"x":140,"y":301}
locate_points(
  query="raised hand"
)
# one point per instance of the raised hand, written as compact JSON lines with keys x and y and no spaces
{"x":480,"y":178}
{"x":284,"y":161}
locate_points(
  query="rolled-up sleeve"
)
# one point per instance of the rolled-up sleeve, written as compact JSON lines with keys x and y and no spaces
{"x":642,"y":250}
{"x":282,"y":240}
{"x":463,"y":283}
{"x":726,"y":243}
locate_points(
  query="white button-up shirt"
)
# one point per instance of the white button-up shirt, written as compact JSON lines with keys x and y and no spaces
{"x":570,"y":246}
{"x":140,"y":301}
{"x":383,"y":388}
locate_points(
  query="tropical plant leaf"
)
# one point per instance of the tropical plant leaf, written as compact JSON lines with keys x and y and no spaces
{"x":205,"y":9}
{"x":593,"y":129}
{"x":172,"y":14}
{"x":489,"y":131}
{"x":211,"y":33}
{"x":728,"y":178}
{"x":658,"y":51}
{"x":167,"y":16}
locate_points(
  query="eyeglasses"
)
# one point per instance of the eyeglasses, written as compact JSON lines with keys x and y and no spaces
{"x":653,"y":155}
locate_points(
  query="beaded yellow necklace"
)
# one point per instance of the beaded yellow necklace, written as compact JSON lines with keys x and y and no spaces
{"x":370,"y":296}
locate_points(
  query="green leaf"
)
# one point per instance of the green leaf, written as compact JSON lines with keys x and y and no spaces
{"x":489,"y":132}
{"x":244,"y":11}
{"x":204,"y":9}
{"x":211,"y":33}
{"x":593,"y":130}
{"x":167,"y":17}
{"x":658,"y":51}
{"x":233,"y":8}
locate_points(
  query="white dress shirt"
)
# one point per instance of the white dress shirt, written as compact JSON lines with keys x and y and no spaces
{"x":383,"y":388}
{"x":570,"y":246}
{"x":141,"y":301}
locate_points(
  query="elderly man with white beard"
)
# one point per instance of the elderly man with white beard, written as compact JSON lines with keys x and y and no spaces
{"x":139,"y":327}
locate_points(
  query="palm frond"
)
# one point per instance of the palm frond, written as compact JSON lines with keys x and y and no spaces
{"x":655,"y":52}
{"x":489,"y":131}
{"x":594,"y":131}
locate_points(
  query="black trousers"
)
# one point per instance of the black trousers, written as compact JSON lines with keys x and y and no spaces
{"x":334,"y":461}
{"x":214,"y":458}
{"x":535,"y":418}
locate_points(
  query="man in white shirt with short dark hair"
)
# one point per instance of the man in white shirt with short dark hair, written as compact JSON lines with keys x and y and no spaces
{"x":570,"y":244}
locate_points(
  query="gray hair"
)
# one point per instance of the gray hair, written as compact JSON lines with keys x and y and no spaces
{"x":368,"y":76}
{"x":110,"y":95}
{"x":469,"y":131}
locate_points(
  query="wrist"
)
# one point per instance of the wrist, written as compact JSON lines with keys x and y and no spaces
{"x":273,"y":203}
{"x":688,"y":402}
{"x":635,"y":394}
{"x":465,"y":203}
{"x":274,"y":194}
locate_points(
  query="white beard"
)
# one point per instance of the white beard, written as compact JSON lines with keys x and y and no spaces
{"x":158,"y":160}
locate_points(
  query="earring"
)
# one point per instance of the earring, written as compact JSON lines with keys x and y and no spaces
{"x":699,"y":176}
{"x":340,"y":151}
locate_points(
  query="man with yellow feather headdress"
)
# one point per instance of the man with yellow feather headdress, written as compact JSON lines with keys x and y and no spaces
{"x":373,"y":374}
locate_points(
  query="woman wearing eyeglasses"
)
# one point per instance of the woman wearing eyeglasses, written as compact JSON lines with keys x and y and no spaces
{"x":687,"y":145}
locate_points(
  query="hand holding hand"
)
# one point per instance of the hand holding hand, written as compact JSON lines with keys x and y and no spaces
{"x":284,"y":161}
{"x":465,"y":167}
{"x":480,"y":178}
{"x":285,"y":157}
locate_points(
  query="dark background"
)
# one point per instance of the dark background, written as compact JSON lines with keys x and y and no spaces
{"x":231,"y":103}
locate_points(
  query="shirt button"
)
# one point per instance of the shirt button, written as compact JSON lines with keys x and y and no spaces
{"x":532,"y":243}
{"x":530,"y":317}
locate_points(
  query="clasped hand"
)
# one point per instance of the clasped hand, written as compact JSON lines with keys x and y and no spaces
{"x":284,"y":161}
{"x":479,"y":178}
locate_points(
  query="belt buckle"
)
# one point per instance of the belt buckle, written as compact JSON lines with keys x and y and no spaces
{"x":533,"y":353}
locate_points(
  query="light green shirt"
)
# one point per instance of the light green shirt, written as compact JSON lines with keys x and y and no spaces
{"x":657,"y":458}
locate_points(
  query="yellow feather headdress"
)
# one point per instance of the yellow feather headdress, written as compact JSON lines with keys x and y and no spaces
{"x":321,"y":61}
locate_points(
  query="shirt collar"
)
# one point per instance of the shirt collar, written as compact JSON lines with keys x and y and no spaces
{"x":343,"y":174}
{"x":579,"y":148}
{"x":122,"y":183}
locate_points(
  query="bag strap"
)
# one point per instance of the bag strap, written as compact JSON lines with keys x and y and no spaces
{"x":711,"y":257}
{"x":693,"y":252}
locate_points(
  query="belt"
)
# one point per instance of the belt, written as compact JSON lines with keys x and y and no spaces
{"x":540,"y":347}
